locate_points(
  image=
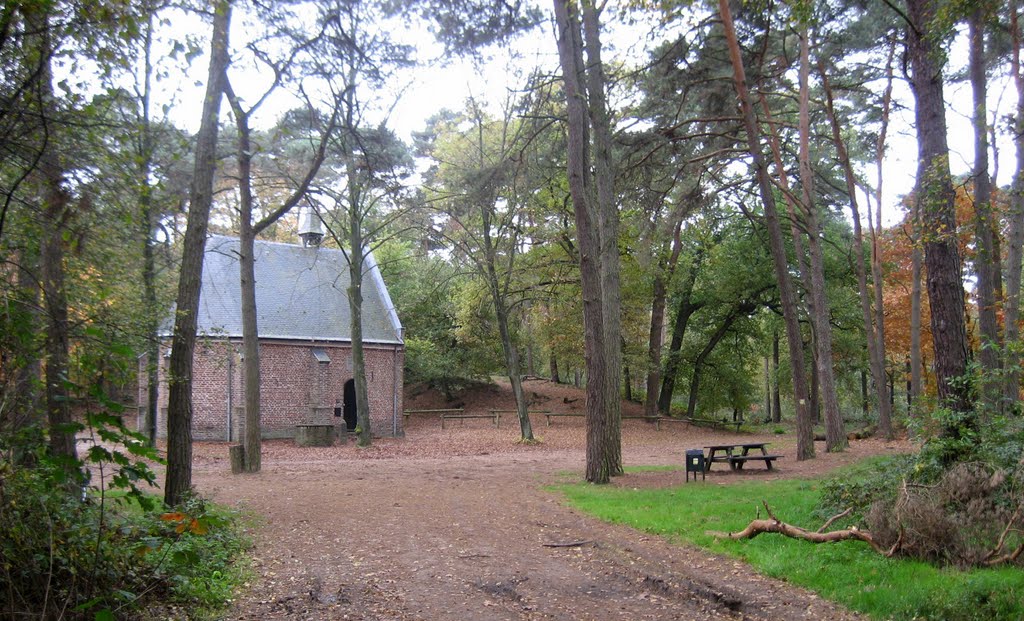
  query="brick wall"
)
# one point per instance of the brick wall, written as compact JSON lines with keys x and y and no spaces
{"x":292,"y":382}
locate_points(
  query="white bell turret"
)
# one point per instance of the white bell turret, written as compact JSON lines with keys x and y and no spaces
{"x":311,"y":230}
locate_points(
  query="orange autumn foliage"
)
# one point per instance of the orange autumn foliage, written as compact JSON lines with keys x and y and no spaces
{"x":896,"y":244}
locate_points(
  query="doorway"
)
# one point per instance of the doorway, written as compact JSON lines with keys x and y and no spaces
{"x":349,"y":405}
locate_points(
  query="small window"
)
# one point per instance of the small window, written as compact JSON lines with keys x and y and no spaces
{"x":321,"y":356}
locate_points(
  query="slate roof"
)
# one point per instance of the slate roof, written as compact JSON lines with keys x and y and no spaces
{"x":301,"y":294}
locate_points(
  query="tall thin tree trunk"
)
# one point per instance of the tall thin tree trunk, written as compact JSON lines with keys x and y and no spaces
{"x":876,"y":361}
{"x":553,"y":364}
{"x":56,"y":212}
{"x":655,"y":339}
{"x":252,"y":441}
{"x":986,"y":262}
{"x":147,"y":217}
{"x":776,"y":393}
{"x":356,"y":260}
{"x":1015,"y":237}
{"x":938,"y":215}
{"x":875,"y":230}
{"x":805,"y":434}
{"x":498,"y":298}
{"x":583,"y":197}
{"x":835,"y":433}
{"x":608,"y":232}
{"x":767,"y":389}
{"x":684,"y":311}
{"x":179,"y":408}
{"x":654,"y":344}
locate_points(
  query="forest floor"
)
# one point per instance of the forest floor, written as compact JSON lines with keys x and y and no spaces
{"x":455,"y":524}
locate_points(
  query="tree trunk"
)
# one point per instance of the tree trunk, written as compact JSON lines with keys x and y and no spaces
{"x":1015,"y":237}
{"x":916,"y":260}
{"x":835,"y":434}
{"x":815,"y":387}
{"x":608,"y":233}
{"x":582,"y":192}
{"x":553,"y":364}
{"x":179,"y":408}
{"x":938,"y":215}
{"x":356,"y":258}
{"x":875,"y":230}
{"x":876,"y":359}
{"x":698,"y":363}
{"x":864,"y":401}
{"x":56,"y":212}
{"x":147,"y":219}
{"x":251,"y":442}
{"x":654,"y":344}
{"x":767,"y":389}
{"x":627,"y":382}
{"x":986,"y":263}
{"x":655,"y":339}
{"x":776,"y":393}
{"x":805,"y":433}
{"x":684,"y":311}
{"x":508,"y":347}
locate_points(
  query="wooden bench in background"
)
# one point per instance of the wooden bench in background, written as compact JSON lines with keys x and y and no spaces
{"x":651,"y":419}
{"x":495,"y":417}
{"x":551,"y":415}
{"x":498,"y":413}
{"x":407,"y":413}
{"x":710,"y":422}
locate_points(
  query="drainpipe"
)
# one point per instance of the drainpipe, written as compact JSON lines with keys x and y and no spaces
{"x":394,"y":408}
{"x":231,"y":377}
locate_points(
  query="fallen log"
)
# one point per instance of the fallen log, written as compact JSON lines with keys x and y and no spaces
{"x":775,"y":525}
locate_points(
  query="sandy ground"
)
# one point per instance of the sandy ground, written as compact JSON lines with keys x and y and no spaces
{"x":457,"y":524}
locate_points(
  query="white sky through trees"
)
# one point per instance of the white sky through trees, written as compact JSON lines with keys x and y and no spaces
{"x":439,"y":83}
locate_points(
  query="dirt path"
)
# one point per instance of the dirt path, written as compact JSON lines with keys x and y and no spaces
{"x":403,"y":532}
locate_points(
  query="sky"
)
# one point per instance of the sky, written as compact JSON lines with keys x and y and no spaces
{"x":436,"y":85}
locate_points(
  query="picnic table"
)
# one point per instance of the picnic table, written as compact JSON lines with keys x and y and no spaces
{"x":736,"y":455}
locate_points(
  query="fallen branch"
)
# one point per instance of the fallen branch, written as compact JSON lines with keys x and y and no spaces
{"x":834,"y":519}
{"x":994,"y":557}
{"x":571,"y":544}
{"x":775,"y":525}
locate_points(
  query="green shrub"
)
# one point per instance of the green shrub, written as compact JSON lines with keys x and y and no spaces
{"x":82,"y":540}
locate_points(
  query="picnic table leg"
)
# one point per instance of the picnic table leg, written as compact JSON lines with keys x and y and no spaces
{"x":442,"y":421}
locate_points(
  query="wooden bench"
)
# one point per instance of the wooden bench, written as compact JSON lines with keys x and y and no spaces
{"x":407,"y":413}
{"x":550,"y":415}
{"x":516,"y":412}
{"x":736,"y":461}
{"x":496,"y":417}
{"x":713,"y":423}
{"x":651,"y":419}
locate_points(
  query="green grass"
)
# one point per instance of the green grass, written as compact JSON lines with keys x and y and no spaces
{"x":847,"y":572}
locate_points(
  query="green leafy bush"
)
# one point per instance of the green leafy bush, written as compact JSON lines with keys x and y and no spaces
{"x":83,"y":540}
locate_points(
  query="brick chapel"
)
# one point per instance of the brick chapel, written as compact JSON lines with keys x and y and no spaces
{"x":305,"y":344}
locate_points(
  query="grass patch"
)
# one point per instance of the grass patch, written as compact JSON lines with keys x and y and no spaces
{"x":629,"y":469}
{"x":846,"y":572}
